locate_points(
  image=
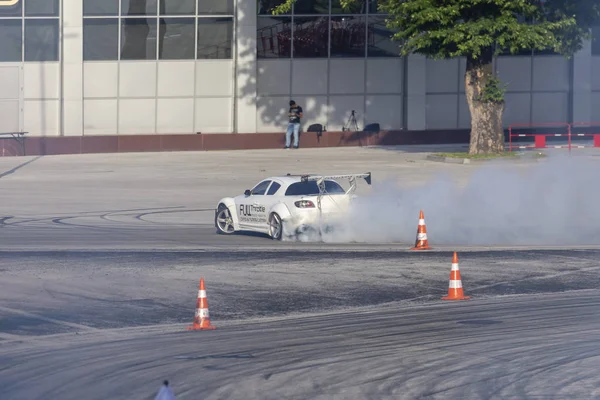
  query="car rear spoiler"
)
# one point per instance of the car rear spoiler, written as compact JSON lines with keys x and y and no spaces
{"x":366,"y":177}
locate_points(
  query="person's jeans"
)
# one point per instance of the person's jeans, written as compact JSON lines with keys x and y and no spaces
{"x":295,"y":128}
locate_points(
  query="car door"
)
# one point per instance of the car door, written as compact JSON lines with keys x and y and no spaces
{"x":251,"y":210}
{"x":268,"y":200}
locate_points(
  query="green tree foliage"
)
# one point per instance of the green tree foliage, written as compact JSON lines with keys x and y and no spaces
{"x":478,"y":30}
{"x":284,"y":6}
{"x":469,"y":28}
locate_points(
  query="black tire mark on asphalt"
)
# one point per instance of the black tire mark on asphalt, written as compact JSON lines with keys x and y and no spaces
{"x":60,"y":220}
{"x":85,"y":213}
{"x":105,"y":215}
{"x":140,"y":216}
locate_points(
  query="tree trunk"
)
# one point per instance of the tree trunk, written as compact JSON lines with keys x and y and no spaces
{"x":487,"y":134}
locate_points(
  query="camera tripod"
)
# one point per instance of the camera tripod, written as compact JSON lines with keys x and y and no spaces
{"x":351,"y":124}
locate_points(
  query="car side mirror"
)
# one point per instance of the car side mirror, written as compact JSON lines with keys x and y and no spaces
{"x":247,"y":192}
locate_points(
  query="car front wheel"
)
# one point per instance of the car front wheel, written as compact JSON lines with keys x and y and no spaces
{"x":275,"y":226}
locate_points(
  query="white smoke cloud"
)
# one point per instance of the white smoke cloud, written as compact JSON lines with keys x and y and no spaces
{"x":555,"y":202}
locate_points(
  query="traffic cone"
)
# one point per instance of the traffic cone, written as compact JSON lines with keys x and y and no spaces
{"x":201,"y":318}
{"x":455,"y":289}
{"x":421,"y":242}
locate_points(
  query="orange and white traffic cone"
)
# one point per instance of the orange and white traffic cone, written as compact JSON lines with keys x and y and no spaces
{"x":201,"y":318}
{"x":421,"y":242}
{"x":455,"y":289}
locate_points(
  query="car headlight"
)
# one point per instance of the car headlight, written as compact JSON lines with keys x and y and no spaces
{"x":304,"y":204}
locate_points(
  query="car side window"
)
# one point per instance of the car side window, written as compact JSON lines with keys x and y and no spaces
{"x":274,"y":188}
{"x":261,"y":188}
{"x":334,"y":187}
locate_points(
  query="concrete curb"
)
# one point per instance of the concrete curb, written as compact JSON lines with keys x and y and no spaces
{"x":453,"y":160}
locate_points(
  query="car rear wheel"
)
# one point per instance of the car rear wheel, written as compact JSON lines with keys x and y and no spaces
{"x":275,"y":226}
{"x":224,"y":221}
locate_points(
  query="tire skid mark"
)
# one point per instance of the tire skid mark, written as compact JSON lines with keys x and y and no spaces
{"x":140,"y":217}
{"x":525,"y":376}
{"x":85,"y":214}
{"x":47,"y":319}
{"x":551,"y":275}
{"x":294,"y":351}
{"x":134,"y":212}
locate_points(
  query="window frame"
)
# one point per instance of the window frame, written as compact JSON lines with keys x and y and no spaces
{"x":162,"y":24}
{"x":114,"y":23}
{"x":39,"y":15}
{"x":269,"y":47}
{"x":18,"y":17}
{"x":17,"y":25}
{"x":268,"y":181}
{"x":231,"y":23}
{"x":200,"y":19}
{"x":273,"y":183}
{"x":55,"y":26}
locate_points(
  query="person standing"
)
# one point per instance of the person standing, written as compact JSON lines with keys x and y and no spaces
{"x":294,"y":116}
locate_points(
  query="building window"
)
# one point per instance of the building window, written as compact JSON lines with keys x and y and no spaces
{"x":101,"y":8}
{"x":138,"y":38}
{"x":311,"y":7}
{"x":101,"y":39}
{"x":215,"y":37}
{"x":41,"y":8}
{"x":264,"y":7}
{"x":215,"y":7}
{"x":11,"y":45}
{"x":181,"y":7}
{"x":359,"y":7}
{"x":322,"y":29}
{"x":348,"y":36}
{"x":379,"y":42}
{"x":16,"y":10}
{"x":274,"y":37}
{"x":30,"y":31}
{"x":41,"y":40}
{"x":138,"y":8}
{"x":157,"y":29}
{"x":310,"y":37}
{"x":177,"y":39}
{"x":596,"y":41}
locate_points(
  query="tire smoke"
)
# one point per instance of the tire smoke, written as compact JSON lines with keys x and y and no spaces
{"x":554,"y":202}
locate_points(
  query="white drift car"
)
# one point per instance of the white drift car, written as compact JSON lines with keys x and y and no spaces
{"x":286,"y":205}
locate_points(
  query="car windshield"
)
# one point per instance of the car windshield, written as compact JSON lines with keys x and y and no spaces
{"x":311,"y":188}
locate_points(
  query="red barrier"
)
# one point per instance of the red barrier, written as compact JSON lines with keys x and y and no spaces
{"x":551,"y":129}
{"x":592,"y":130}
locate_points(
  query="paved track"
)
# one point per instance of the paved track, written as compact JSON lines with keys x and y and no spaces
{"x":532,"y":347}
{"x":49,"y":292}
{"x":100,"y":261}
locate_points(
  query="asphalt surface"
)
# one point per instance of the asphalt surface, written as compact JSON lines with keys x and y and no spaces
{"x":533,"y":347}
{"x":100,"y":259}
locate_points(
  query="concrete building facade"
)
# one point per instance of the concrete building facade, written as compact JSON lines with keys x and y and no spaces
{"x":134,"y":75}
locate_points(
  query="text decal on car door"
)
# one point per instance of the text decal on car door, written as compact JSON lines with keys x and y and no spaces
{"x":250,"y":210}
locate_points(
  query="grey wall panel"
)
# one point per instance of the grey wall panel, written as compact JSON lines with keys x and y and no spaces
{"x":442,"y":111}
